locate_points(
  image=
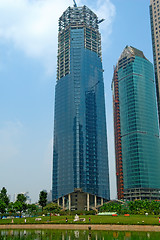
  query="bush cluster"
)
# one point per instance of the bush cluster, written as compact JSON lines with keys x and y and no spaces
{"x":132,"y":207}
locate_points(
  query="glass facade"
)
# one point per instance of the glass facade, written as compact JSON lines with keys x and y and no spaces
{"x":138,"y":121}
{"x":80,"y":156}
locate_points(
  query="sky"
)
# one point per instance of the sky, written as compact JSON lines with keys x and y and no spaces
{"x":28,"y":55}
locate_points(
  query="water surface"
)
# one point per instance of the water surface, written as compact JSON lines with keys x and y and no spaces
{"x":76,"y":234}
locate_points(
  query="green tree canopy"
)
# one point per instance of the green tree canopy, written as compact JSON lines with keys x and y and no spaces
{"x":3,"y":196}
{"x":21,"y":198}
{"x":2,"y":208}
{"x":11,"y":208}
{"x":111,"y":207}
{"x":20,"y":204}
{"x":143,"y":206}
{"x":32,"y":209}
{"x":42,"y":199}
{"x":52,"y":208}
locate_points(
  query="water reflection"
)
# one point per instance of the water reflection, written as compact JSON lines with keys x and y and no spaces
{"x":75,"y":234}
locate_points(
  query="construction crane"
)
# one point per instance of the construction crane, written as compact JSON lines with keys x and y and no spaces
{"x":75,"y":4}
{"x":99,"y":21}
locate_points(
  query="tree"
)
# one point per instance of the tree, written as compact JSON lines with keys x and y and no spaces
{"x":2,"y":208}
{"x":21,"y":198}
{"x":20,"y":204}
{"x":155,"y":207}
{"x":111,"y":207}
{"x":32,"y":209}
{"x":4,"y":201}
{"x":144,"y":206}
{"x":3,"y":196}
{"x":52,"y":208}
{"x":11,"y":208}
{"x":42,"y":199}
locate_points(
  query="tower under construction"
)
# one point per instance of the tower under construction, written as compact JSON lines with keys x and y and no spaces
{"x":80,"y":155}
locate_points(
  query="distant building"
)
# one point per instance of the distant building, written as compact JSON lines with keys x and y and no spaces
{"x":9,"y":196}
{"x":80,"y":155}
{"x":137,"y":145}
{"x":155,"y":31}
{"x":49,"y":196}
{"x":28,"y":199}
{"x":14,"y":197}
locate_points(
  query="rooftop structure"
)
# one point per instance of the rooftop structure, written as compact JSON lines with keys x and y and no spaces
{"x":76,"y":18}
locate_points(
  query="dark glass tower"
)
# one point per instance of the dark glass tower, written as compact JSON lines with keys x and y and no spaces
{"x":137,"y":143}
{"x":80,"y":157}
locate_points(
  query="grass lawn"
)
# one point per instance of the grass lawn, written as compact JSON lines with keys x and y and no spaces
{"x":130,"y":220}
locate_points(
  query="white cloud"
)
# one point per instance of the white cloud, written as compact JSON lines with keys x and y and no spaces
{"x":106,"y":10}
{"x":32,"y":25}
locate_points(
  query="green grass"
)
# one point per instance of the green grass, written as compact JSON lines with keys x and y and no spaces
{"x":130,"y":220}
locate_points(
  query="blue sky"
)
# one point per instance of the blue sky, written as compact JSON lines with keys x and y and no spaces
{"x":28,"y":52}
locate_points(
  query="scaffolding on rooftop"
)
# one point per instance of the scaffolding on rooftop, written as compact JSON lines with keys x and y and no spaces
{"x":78,"y":16}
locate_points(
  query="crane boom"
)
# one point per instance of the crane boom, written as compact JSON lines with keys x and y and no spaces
{"x":101,"y":21}
{"x":75,"y":4}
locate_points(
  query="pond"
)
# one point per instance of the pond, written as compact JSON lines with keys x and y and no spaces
{"x":76,"y":234}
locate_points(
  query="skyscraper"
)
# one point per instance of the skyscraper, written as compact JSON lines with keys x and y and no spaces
{"x":136,"y":129}
{"x":155,"y":31}
{"x":80,"y":155}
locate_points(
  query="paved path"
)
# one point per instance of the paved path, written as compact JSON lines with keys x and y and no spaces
{"x":144,"y":228}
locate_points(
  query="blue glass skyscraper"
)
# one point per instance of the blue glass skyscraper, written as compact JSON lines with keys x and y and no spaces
{"x":137,"y":143}
{"x":80,"y":156}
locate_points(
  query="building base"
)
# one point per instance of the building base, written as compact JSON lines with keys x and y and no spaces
{"x":79,"y":200}
{"x":132,"y":194}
